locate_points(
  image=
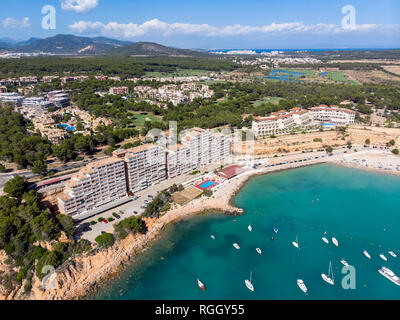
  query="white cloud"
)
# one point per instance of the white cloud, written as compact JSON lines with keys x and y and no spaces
{"x":12,"y":23}
{"x":155,"y":26}
{"x":79,"y":6}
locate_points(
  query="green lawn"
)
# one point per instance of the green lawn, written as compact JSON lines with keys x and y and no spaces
{"x":139,"y":119}
{"x":274,"y":100}
{"x":339,"y":76}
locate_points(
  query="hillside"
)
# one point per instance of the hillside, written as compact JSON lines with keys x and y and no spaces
{"x":153,"y":49}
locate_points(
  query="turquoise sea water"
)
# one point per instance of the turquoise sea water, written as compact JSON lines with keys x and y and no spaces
{"x":359,"y":208}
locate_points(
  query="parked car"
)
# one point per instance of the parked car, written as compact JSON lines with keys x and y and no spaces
{"x":105,"y":221}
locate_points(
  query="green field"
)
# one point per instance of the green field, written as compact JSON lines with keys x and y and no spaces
{"x":339,"y":76}
{"x":274,"y":100}
{"x":139,"y":119}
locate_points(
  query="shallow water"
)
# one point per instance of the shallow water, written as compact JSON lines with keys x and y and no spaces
{"x":359,"y":208}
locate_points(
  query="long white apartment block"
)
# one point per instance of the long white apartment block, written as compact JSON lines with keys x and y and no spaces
{"x":145,"y":166}
{"x":96,"y":185}
{"x":198,"y":148}
{"x":129,"y":171}
{"x":283,"y":121}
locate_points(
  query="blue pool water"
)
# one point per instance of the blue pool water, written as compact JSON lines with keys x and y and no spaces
{"x":357,"y":207}
{"x":66,"y":127}
{"x":207,"y":184}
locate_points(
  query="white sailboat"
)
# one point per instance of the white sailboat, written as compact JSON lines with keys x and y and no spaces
{"x":392,"y":254}
{"x":212,"y":237}
{"x":249,"y":284}
{"x":367,"y":254}
{"x":325,"y":240}
{"x":335,"y":242}
{"x":296,"y":243}
{"x":201,"y":285}
{"x":329,"y":278}
{"x":236,"y":246}
{"x":250,"y":228}
{"x":383,"y":257}
{"x":259,"y":251}
{"x":302,"y":286}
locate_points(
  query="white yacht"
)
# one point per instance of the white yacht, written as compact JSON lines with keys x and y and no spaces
{"x":389,"y":274}
{"x":236,"y":246}
{"x":383,"y":257}
{"x":249,"y":284}
{"x":344,"y":262}
{"x":259,"y":251}
{"x":329,"y":278}
{"x":325,"y":240}
{"x":296,"y":243}
{"x":250,"y":228}
{"x":392,"y":254}
{"x":212,"y":237}
{"x":366,"y":254}
{"x":302,"y":286}
{"x":335,"y":242}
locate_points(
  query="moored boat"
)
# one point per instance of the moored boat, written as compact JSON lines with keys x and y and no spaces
{"x":344,"y":262}
{"x":325,"y":240}
{"x":249,"y":284}
{"x":382,"y":256}
{"x":259,"y":251}
{"x":236,"y":246}
{"x":250,"y":228}
{"x":392,"y":254}
{"x":201,"y":284}
{"x":335,"y":242}
{"x":329,"y":278}
{"x":212,"y":237}
{"x":296,"y":243}
{"x":365,"y":252}
{"x":275,"y":229}
{"x":389,"y":274}
{"x":302,"y":286}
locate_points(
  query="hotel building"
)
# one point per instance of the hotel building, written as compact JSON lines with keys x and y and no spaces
{"x":98,"y":184}
{"x":335,"y":114}
{"x":283,"y":121}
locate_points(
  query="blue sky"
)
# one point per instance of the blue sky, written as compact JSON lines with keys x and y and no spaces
{"x":212,"y":24}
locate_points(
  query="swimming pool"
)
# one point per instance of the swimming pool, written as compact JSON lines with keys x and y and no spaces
{"x":207,"y":184}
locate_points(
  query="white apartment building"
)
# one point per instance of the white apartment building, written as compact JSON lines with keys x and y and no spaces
{"x":198,"y":148}
{"x":283,"y":121}
{"x":98,"y":184}
{"x":145,"y":166}
{"x":335,"y":115}
{"x":12,"y":98}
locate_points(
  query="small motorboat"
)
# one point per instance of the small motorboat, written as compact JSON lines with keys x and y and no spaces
{"x":236,"y":246}
{"x":296,"y":243}
{"x":335,"y":242}
{"x":212,"y":237}
{"x":392,"y":254}
{"x":302,"y":286}
{"x":259,"y":251}
{"x":383,"y":257}
{"x":276,"y":230}
{"x":325,"y":240}
{"x":365,"y":252}
{"x":201,"y":285}
{"x":344,"y":262}
{"x":250,"y":228}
